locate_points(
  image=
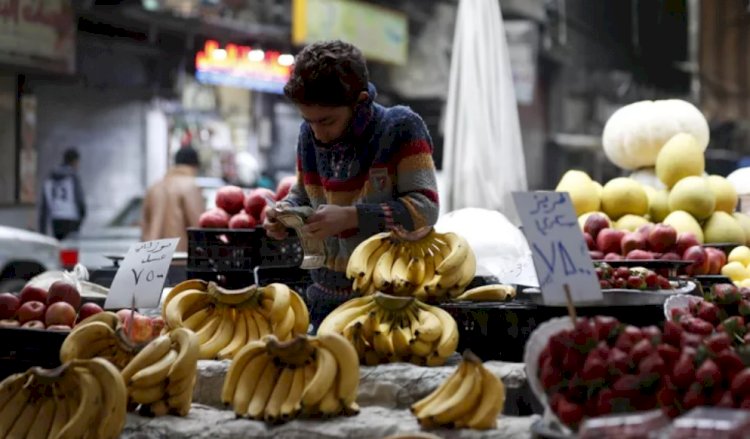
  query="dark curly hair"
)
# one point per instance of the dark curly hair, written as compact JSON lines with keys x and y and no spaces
{"x":329,"y":73}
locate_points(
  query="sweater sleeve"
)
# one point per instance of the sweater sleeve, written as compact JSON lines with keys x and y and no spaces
{"x":416,"y":202}
{"x":297,"y":195}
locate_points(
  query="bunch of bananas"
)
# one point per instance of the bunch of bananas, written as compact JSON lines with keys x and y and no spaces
{"x":424,"y":264}
{"x":226,"y":320}
{"x":384,"y":328}
{"x":488,"y":293}
{"x":472,"y":397}
{"x":159,"y":376}
{"x":83,"y":398}
{"x":277,"y":381}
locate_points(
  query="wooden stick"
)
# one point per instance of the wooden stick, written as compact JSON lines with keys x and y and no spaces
{"x":571,"y":307}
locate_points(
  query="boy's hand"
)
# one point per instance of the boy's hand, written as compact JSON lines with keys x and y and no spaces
{"x":274,"y":228}
{"x":330,"y":220}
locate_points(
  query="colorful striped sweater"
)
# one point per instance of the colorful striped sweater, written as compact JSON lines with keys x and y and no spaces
{"x":384,"y":167}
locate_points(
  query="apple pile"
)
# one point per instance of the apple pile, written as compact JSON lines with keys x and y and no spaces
{"x":650,"y":242}
{"x":602,"y":366}
{"x":58,"y":309}
{"x":236,"y":210}
{"x":637,"y":278}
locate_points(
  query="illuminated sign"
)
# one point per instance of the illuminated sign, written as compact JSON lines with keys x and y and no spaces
{"x":243,"y":67}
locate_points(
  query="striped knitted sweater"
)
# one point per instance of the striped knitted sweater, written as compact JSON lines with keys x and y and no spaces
{"x":383,"y":166}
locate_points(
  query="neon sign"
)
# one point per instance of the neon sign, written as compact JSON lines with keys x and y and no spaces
{"x":243,"y":67}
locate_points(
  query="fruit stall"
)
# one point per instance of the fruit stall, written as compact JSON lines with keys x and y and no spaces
{"x":426,"y":347}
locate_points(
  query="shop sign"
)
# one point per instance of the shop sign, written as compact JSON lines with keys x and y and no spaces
{"x":382,"y":34}
{"x":243,"y":67}
{"x":38,"y":33}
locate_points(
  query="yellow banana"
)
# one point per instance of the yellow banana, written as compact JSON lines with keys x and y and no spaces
{"x":239,"y":383}
{"x":80,"y":342}
{"x":458,"y":250}
{"x":262,"y":323}
{"x":10,"y":386}
{"x":13,"y":409}
{"x":178,"y":387}
{"x":348,"y":365}
{"x":400,"y":337}
{"x":293,"y":398}
{"x":421,"y":348}
{"x":221,"y":337}
{"x":462,"y":402}
{"x":382,"y":340}
{"x":198,"y":319}
{"x":448,"y":341}
{"x":444,"y":390}
{"x":301,"y":314}
{"x":357,"y":265}
{"x":83,"y":418}
{"x":156,"y":373}
{"x":152,"y":352}
{"x":495,"y":292}
{"x":250,"y":325}
{"x":337,"y":320}
{"x":281,"y":299}
{"x":284,"y":329}
{"x":262,"y":391}
{"x":330,"y":405}
{"x":381,"y":276}
{"x":188,"y":350}
{"x":180,"y":403}
{"x":325,"y":376}
{"x":280,"y":391}
{"x":239,"y":337}
{"x":365,"y":277}
{"x":399,"y":274}
{"x":159,"y":408}
{"x":114,"y":396}
{"x":177,"y":309}
{"x":450,"y":279}
{"x":428,"y":328}
{"x":108,"y":318}
{"x":415,"y":271}
{"x":147,"y":395}
{"x":209,"y":327}
{"x":61,"y":416}
{"x":28,"y":415}
{"x":190,"y":284}
{"x":42,"y":422}
{"x":484,"y":416}
{"x":468,"y":270}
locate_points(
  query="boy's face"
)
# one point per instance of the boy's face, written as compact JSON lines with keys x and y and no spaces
{"x":328,"y":123}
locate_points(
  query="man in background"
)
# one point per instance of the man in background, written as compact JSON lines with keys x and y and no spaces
{"x":174,"y":203}
{"x":63,"y":202}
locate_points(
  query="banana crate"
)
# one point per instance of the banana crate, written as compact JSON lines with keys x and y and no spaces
{"x":23,"y":348}
{"x":229,"y":256}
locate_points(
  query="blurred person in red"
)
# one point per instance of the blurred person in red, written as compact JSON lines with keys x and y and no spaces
{"x":174,"y":203}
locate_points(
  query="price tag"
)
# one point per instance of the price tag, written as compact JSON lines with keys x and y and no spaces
{"x":561,"y":257}
{"x":140,"y":279}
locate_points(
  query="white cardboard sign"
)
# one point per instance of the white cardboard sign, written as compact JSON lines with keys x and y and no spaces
{"x":560,"y":254}
{"x":140,"y":279}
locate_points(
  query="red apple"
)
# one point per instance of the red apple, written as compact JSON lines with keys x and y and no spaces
{"x":214,"y":219}
{"x":698,"y":255}
{"x":590,"y":244}
{"x":608,"y":240}
{"x":31,"y":293}
{"x":9,"y":304}
{"x":639,"y":255}
{"x":33,"y":324}
{"x":256,"y":201}
{"x":671,"y":256}
{"x":58,"y":328}
{"x":716,"y":260}
{"x":242,"y":221}
{"x":662,"y":238}
{"x":632,"y":241}
{"x":9,"y":323}
{"x":140,"y":329}
{"x":284,"y":186}
{"x":64,"y":291}
{"x":60,"y":313}
{"x":596,"y":255}
{"x":124,"y":314}
{"x":231,"y":199}
{"x":645,"y":230}
{"x":594,"y":224}
{"x":33,"y":310}
{"x":88,"y":309}
{"x":685,"y":240}
{"x":157,"y":324}
{"x":613,"y":257}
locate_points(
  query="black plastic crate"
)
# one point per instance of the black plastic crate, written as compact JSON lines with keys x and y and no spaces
{"x":224,"y":250}
{"x":24,"y":348}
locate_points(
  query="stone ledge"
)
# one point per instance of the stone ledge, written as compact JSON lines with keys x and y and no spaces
{"x":396,"y":385}
{"x":372,"y":422}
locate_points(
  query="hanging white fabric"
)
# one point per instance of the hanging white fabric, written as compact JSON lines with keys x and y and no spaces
{"x":483,"y":160}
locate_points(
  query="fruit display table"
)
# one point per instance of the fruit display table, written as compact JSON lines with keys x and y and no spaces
{"x":395,"y":386}
{"x":372,"y":422}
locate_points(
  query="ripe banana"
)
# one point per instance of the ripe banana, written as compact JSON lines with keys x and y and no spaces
{"x":238,"y":365}
{"x":247,"y":382}
{"x":86,"y":341}
{"x":151,"y":353}
{"x":281,"y":299}
{"x":346,"y":358}
{"x":239,"y":337}
{"x":114,"y":396}
{"x":301,"y":313}
{"x":42,"y":422}
{"x":188,"y":348}
{"x":448,"y":341}
{"x":178,"y":308}
{"x":289,"y":406}
{"x":493,"y":292}
{"x":358,"y":260}
{"x":325,"y":376}
{"x":155,"y":373}
{"x":471,"y":397}
{"x":262,"y":391}
{"x":84,"y":418}
{"x":272,"y":412}
{"x":222,"y":336}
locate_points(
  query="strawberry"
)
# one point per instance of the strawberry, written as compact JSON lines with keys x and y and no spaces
{"x":554,"y":401}
{"x":628,"y":338}
{"x":730,"y":363}
{"x":672,"y":333}
{"x":723,"y":398}
{"x":569,"y":413}
{"x":573,"y":361}
{"x":669,"y":354}
{"x":664,"y":283}
{"x":694,"y":306}
{"x":602,"y":350}
{"x":652,"y":280}
{"x":678,"y":313}
{"x":698,"y":326}
{"x":745,"y":404}
{"x":708,"y":312}
{"x":604,"y":402}
{"x":636,"y":283}
{"x":690,"y":340}
{"x":605,"y":327}
{"x":708,"y":374}
{"x":549,"y":375}
{"x":626,"y":386}
{"x":746,"y":338}
{"x":618,"y":362}
{"x":718,"y":342}
{"x":545,"y":354}
{"x":641,"y":350}
{"x":733,"y":326}
{"x":604,"y":284}
{"x":725,"y":294}
{"x":671,"y":411}
{"x":622,"y":273}
{"x":683,"y":372}
{"x":666,"y":396}
{"x":558,"y":345}
{"x":594,"y":368}
{"x":584,"y":335}
{"x":652,"y":364}
{"x":619,"y":283}
{"x":740,"y":385}
{"x":745,"y":292}
{"x":693,"y":398}
{"x":652,"y":333}
{"x":744,"y":307}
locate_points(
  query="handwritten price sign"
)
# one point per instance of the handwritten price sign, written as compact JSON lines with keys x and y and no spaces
{"x":140,"y":279}
{"x":557,"y":247}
